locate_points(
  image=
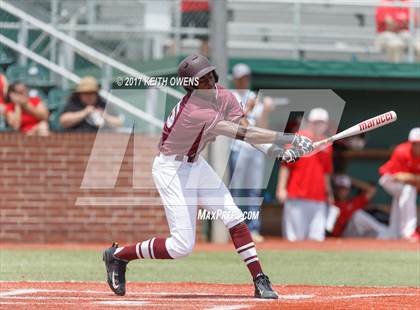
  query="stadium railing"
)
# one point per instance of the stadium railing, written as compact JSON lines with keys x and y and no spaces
{"x":108,"y":64}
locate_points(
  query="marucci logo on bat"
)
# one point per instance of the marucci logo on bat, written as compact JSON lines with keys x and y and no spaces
{"x":376,"y":121}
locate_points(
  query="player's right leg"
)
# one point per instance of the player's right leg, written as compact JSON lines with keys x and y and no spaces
{"x":318,"y":221}
{"x":408,"y":211}
{"x":180,"y":206}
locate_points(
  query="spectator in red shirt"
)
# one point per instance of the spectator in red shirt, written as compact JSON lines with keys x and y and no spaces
{"x":304,"y":186}
{"x":392,"y":26}
{"x":3,"y":91}
{"x":196,"y":14}
{"x":3,"y":87}
{"x":26,"y":114}
{"x":400,"y":177}
{"x":353,"y":221}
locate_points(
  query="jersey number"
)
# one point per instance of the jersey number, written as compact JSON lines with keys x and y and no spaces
{"x":171,"y":118}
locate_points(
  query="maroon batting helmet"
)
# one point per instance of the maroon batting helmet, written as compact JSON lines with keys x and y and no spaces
{"x":195,"y":66}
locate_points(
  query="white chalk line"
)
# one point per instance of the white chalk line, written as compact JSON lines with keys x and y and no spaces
{"x":18,"y":292}
{"x":212,"y":299}
{"x":38,"y":303}
{"x":35,"y":291}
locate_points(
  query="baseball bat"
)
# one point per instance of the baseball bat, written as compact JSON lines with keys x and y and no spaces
{"x":365,"y":126}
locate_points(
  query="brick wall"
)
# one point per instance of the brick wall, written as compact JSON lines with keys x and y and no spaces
{"x":41,"y":199}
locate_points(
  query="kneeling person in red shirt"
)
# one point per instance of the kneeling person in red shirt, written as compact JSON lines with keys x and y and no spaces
{"x":353,"y":221}
{"x":400,"y":178}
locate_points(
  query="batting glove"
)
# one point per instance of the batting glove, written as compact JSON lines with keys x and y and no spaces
{"x":303,"y":144}
{"x":275,"y":152}
{"x":291,"y":155}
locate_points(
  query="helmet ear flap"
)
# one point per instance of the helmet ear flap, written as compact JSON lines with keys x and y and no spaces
{"x":216,"y":76}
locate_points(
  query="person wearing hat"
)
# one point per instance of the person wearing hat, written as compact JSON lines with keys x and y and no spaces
{"x":246,"y":162}
{"x":85,"y":110}
{"x":400,"y":177}
{"x":304,"y":186}
{"x":353,"y":221}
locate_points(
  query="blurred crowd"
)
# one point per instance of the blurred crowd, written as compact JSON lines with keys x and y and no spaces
{"x":318,"y":197}
{"x":84,"y":110}
{"x":392,"y":26}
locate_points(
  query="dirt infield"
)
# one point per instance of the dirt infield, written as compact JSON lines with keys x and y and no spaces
{"x":94,"y":295}
{"x":75,"y":295}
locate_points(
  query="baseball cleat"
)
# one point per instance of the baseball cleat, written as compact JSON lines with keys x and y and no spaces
{"x":115,"y":270}
{"x":263,"y":287}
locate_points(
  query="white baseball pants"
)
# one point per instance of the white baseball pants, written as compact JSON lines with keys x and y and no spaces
{"x":362,"y":224}
{"x":182,"y":187}
{"x":304,"y":219}
{"x":403,"y":219}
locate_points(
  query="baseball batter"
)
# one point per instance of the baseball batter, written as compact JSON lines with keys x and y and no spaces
{"x":184,"y":179}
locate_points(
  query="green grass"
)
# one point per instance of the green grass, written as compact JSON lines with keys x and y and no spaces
{"x":384,"y":268}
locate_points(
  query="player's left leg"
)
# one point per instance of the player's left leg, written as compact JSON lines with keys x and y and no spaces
{"x":215,"y":197}
{"x":180,"y":206}
{"x":362,"y":224}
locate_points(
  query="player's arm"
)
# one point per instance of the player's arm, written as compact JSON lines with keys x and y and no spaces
{"x":367,"y":188}
{"x":281,"y":192}
{"x":72,"y":118}
{"x":40,"y":111}
{"x":14,"y":118}
{"x":268,"y":149}
{"x":255,"y":135}
{"x":251,"y":134}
